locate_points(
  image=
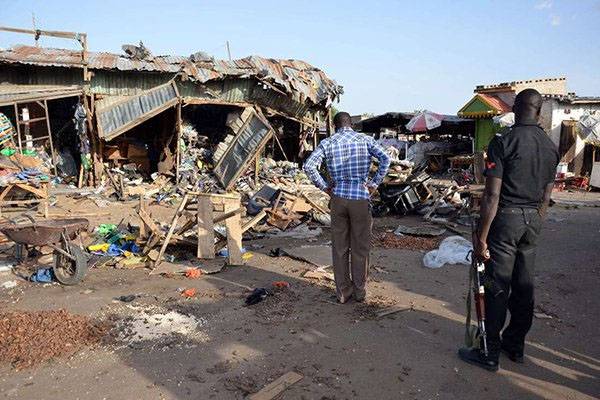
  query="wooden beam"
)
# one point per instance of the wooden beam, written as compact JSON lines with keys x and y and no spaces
{"x":234,"y":236}
{"x":314,"y":204}
{"x":206,"y":231}
{"x":171,"y":230}
{"x":177,"y":145}
{"x":250,"y":224}
{"x":227,"y":215}
{"x":275,"y":388}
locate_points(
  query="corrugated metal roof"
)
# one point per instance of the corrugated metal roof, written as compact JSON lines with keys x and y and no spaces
{"x":117,"y":118}
{"x":10,"y":94}
{"x":495,"y":102}
{"x":289,"y":75}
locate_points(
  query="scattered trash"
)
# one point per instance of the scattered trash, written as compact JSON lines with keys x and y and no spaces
{"x":42,"y":275}
{"x":9,"y":284}
{"x":189,"y":293}
{"x":127,"y":298}
{"x":6,"y":267}
{"x":541,"y":315}
{"x":281,"y":284}
{"x":225,"y":253}
{"x":320,"y":273}
{"x":193,"y":273}
{"x":453,"y":250}
{"x":257,"y":295}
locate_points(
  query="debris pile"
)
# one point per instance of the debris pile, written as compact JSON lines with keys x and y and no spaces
{"x":389,"y":240}
{"x":31,"y":165}
{"x":28,"y":338}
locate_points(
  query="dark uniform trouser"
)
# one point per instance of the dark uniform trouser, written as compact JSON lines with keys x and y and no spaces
{"x":512,"y":245}
{"x":351,"y":223}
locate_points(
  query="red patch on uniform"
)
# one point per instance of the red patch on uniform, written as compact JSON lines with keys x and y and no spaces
{"x":490,"y":165}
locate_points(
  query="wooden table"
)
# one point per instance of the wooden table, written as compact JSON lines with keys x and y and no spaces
{"x":41,"y":192}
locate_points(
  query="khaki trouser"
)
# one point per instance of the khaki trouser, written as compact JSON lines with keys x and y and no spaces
{"x":351,"y":224}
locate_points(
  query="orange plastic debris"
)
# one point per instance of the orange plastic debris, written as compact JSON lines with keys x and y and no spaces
{"x":193,"y":273}
{"x":191,"y":292}
{"x":281,"y":284}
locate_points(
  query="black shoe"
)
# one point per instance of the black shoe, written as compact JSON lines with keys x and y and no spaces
{"x":514,"y":356}
{"x":475,"y":356}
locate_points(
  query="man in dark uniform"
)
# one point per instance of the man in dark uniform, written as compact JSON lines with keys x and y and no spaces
{"x":520,"y":172}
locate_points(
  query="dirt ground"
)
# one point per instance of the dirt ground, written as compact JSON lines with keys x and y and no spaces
{"x":213,"y":347}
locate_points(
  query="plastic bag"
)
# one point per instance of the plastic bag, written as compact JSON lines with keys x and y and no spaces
{"x":453,"y":250}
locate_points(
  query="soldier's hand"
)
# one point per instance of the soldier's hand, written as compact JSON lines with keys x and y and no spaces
{"x":480,"y":250}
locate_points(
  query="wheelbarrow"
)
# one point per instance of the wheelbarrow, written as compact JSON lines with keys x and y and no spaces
{"x":70,"y":261}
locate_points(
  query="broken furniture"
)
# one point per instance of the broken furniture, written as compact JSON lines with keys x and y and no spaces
{"x":40,"y":193}
{"x":405,"y":198}
{"x":200,"y":212}
{"x":70,"y":262}
{"x":229,"y":208}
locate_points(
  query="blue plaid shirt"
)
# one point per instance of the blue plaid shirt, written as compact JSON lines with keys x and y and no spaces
{"x":348,"y":157}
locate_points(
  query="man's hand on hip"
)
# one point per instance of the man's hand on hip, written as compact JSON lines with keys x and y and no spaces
{"x":371,"y":189}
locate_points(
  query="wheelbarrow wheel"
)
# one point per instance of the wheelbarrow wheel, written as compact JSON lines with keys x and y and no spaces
{"x":70,"y":271}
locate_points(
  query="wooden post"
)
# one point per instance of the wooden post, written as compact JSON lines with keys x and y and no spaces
{"x":234,"y":234}
{"x":206,"y":232}
{"x":177,"y":146}
{"x":143,"y":226}
{"x":256,"y":168}
{"x":18,"y":128}
{"x":52,"y":156}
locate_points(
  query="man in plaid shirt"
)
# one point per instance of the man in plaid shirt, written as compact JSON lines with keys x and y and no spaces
{"x":348,"y":156}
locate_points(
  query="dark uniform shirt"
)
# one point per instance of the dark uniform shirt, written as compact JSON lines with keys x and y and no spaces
{"x":525,"y":159}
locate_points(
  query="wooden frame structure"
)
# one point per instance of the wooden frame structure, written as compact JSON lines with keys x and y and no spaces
{"x":42,"y":194}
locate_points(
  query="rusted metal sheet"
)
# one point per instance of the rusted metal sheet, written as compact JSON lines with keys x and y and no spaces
{"x":11,"y":94}
{"x":115,"y":119}
{"x":253,"y":134}
{"x":294,"y":77}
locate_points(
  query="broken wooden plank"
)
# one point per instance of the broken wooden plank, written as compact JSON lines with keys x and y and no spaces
{"x":276,"y":387}
{"x":206,"y":232}
{"x":171,"y":229}
{"x":228,"y":214}
{"x":316,"y":274}
{"x":314,"y":204}
{"x":234,"y":236}
{"x":250,"y":224}
{"x":149,"y":222}
{"x":393,"y":310}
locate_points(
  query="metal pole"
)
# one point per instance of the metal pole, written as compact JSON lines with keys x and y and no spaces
{"x":228,"y":50}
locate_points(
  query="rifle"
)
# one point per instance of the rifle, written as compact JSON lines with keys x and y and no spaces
{"x":476,"y":273}
{"x":479,"y":297}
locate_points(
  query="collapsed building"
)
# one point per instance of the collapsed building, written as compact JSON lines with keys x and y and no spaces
{"x":145,"y":111}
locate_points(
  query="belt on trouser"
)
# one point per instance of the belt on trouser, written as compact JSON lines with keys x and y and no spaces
{"x":518,"y":210}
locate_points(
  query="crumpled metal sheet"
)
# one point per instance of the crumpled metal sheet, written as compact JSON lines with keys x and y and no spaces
{"x":295,"y":77}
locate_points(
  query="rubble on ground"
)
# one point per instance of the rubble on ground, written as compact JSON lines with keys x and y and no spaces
{"x":389,"y":240}
{"x":28,"y":338}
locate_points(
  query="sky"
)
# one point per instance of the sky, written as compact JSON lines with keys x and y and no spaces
{"x":388,"y":55}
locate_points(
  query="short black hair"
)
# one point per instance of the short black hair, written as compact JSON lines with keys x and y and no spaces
{"x":528,"y":103}
{"x":342,"y":119}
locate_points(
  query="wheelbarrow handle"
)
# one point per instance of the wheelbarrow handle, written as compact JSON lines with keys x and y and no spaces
{"x":15,"y":220}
